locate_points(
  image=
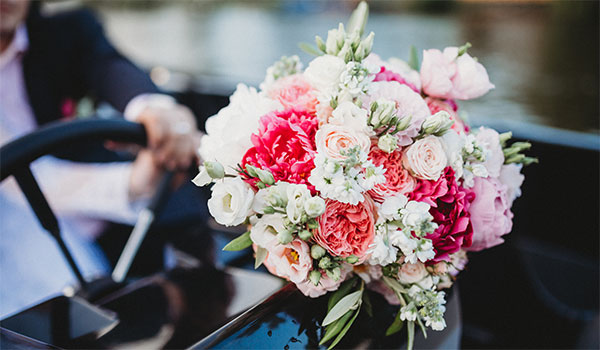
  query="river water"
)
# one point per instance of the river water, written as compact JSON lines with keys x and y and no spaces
{"x":542,"y":56}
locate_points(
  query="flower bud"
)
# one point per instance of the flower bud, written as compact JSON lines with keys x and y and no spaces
{"x":403,"y":123}
{"x":352,"y":259}
{"x":202,"y":179}
{"x":387,"y":143}
{"x":505,"y":136}
{"x":265,"y":176}
{"x":314,"y":206}
{"x":437,"y":124}
{"x":268,"y":210}
{"x":324,"y":262}
{"x":314,"y":276}
{"x":305,"y":235}
{"x":335,"y":273}
{"x":214,"y":169}
{"x":285,"y":236}
{"x":382,"y":113}
{"x":320,"y":43}
{"x":313,"y":224}
{"x":251,"y":170}
{"x":317,"y":252}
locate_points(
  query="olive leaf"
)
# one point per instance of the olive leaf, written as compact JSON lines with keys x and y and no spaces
{"x":410,"y":327}
{"x":261,"y":255}
{"x":394,"y":284}
{"x":423,"y":329}
{"x":309,"y":49}
{"x":396,"y":326}
{"x":349,"y":302}
{"x":345,"y":330}
{"x":340,"y":293}
{"x":334,"y":328}
{"x":241,"y":242}
{"x":413,"y":60}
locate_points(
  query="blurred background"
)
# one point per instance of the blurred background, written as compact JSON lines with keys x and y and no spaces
{"x":540,"y":288}
{"x":541,"y":55}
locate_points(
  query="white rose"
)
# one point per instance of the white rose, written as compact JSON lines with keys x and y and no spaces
{"x":314,"y":206}
{"x":297,"y":195}
{"x":264,"y":231}
{"x":425,"y":158}
{"x":412,"y":273}
{"x":323,"y":73}
{"x":231,"y":128}
{"x":231,"y":201}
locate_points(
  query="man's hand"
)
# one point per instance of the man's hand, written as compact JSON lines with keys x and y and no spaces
{"x":173,"y":137}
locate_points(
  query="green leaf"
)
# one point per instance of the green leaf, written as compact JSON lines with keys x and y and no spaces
{"x":396,"y":326}
{"x":358,"y":19}
{"x":344,"y":331}
{"x":261,"y":255}
{"x":309,"y":49}
{"x":347,"y":303}
{"x":340,"y":293}
{"x":394,"y":284}
{"x":334,"y":328}
{"x":410,"y":327}
{"x":423,"y":329}
{"x":368,"y":305}
{"x":239,"y":243}
{"x":413,"y":59}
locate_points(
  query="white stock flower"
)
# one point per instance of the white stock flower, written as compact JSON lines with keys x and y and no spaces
{"x":352,"y":116}
{"x":231,"y":128}
{"x":381,"y":252}
{"x":479,"y":170}
{"x":415,"y":213}
{"x":373,"y":175}
{"x":264,"y":231}
{"x":231,"y":201}
{"x":390,"y":208}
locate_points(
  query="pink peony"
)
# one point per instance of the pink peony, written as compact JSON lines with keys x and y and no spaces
{"x":388,"y":75}
{"x":285,"y":146}
{"x":435,"y":105}
{"x":449,"y":208}
{"x":397,"y":179}
{"x":490,"y":213}
{"x":325,"y":285}
{"x":290,"y":261}
{"x":447,"y":76}
{"x":346,"y":229}
{"x":294,"y":92}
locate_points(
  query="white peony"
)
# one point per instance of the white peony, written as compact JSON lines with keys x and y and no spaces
{"x":228,"y":132}
{"x":231,"y":201}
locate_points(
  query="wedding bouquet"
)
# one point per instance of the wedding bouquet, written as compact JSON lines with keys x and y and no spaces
{"x":359,"y":173}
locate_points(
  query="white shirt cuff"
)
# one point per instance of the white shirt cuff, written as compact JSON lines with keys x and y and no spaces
{"x":136,"y":106}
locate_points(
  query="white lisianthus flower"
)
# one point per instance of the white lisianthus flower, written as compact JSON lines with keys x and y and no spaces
{"x":314,"y":206}
{"x":390,"y":208}
{"x":273,"y":196}
{"x":352,"y":116}
{"x":415,"y":213}
{"x":323,"y":73}
{"x":297,"y":195}
{"x":202,"y":179}
{"x":231,"y":201}
{"x":264,"y":231}
{"x":479,"y":170}
{"x":387,"y":143}
{"x":453,"y":144}
{"x":231,"y":128}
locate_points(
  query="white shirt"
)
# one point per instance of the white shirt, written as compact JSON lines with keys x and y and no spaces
{"x":81,"y":195}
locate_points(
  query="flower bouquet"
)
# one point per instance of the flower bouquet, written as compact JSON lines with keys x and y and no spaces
{"x":358,"y":173}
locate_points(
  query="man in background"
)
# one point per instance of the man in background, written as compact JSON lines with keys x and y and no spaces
{"x":46,"y":65}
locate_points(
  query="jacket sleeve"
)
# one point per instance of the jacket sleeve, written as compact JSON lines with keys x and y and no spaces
{"x":108,"y":75}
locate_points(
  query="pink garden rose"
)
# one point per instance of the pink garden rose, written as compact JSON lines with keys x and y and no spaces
{"x":290,"y":261}
{"x":408,"y":104}
{"x":346,"y":229}
{"x":449,"y":208}
{"x":426,"y":158}
{"x":435,"y":105}
{"x":285,"y":146}
{"x":490,"y":213}
{"x":294,"y":92}
{"x":332,"y":140}
{"x":397,"y":178}
{"x":447,"y":76}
